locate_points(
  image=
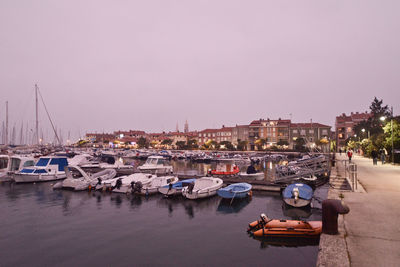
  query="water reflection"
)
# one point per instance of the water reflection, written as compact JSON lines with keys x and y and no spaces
{"x":266,"y":242}
{"x":191,"y":207}
{"x":296,"y":213}
{"x":227,"y":206}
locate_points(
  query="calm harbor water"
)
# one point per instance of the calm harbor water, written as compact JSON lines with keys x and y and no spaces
{"x":43,"y":227}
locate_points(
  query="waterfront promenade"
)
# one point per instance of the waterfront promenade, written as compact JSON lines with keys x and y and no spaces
{"x":370,"y":233}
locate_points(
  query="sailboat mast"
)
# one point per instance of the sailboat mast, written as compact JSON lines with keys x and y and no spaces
{"x":37,"y":114}
{"x":6,"y":139}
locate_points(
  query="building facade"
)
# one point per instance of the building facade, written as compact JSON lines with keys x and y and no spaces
{"x":344,"y":125}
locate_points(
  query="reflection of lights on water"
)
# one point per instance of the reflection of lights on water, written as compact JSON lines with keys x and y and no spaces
{"x":264,"y":164}
{"x":270,"y":165}
{"x":120,"y":160}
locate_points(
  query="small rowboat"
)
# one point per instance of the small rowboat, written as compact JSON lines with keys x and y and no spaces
{"x":297,"y":195}
{"x":284,"y":228}
{"x":202,"y":188}
{"x":237,"y":190}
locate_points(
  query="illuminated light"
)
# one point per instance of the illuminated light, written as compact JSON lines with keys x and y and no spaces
{"x":363,"y":130}
{"x":382,"y":118}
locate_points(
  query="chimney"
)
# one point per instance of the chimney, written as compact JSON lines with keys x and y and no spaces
{"x":351,"y":113}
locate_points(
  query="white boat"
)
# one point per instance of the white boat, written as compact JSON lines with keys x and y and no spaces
{"x":124,"y":184}
{"x":46,"y":169}
{"x":16,"y":164}
{"x":78,"y":180}
{"x":156,"y":165}
{"x":4,"y":167}
{"x":154,"y":184}
{"x":202,"y":188}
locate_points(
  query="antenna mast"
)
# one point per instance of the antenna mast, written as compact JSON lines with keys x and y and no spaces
{"x":6,"y":139}
{"x":37,"y":114}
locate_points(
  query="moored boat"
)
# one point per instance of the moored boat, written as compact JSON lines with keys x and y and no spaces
{"x":46,"y":169}
{"x":202,"y":188}
{"x":78,"y":180}
{"x":297,"y":195}
{"x":237,"y":190}
{"x":156,"y":165}
{"x":175,"y":189}
{"x":152,"y":186}
{"x":266,"y":227}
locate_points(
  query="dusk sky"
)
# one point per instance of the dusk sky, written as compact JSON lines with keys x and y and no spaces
{"x":119,"y":64}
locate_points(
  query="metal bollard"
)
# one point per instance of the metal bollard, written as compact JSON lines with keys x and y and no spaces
{"x":331,"y":208}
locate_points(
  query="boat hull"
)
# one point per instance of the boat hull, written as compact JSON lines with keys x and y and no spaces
{"x":238,"y":190}
{"x":29,"y":178}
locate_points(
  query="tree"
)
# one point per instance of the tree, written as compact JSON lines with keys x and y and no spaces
{"x":228,"y":145}
{"x":142,"y":142}
{"x":260,"y":143}
{"x":167,"y":142}
{"x":242,"y":145}
{"x":181,"y":145}
{"x":396,"y":138}
{"x":192,"y":144}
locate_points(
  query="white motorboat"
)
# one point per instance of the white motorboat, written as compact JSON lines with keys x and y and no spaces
{"x":78,"y":180}
{"x":4,"y":167}
{"x":17,"y":163}
{"x":46,"y":169}
{"x":124,"y":184}
{"x":202,"y":188}
{"x":175,"y":189}
{"x":156,"y":165}
{"x":154,"y":184}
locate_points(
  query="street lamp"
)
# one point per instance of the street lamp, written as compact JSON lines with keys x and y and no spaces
{"x":363,"y":130}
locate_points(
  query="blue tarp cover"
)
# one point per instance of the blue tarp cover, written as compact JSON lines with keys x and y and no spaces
{"x":305,"y":191}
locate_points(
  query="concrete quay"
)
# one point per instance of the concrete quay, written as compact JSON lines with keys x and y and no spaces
{"x":370,"y":233}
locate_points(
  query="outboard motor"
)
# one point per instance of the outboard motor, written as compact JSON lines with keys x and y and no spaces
{"x":138,"y":187}
{"x":133,"y":186}
{"x":331,"y":208}
{"x":169,"y":186}
{"x":99,"y":181}
{"x":118,"y":183}
{"x":190,"y":188}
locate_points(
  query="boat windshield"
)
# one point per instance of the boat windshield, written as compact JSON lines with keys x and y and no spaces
{"x":29,"y":163}
{"x":151,"y":161}
{"x":3,"y":163}
{"x":42,"y":162}
{"x":15,"y":164}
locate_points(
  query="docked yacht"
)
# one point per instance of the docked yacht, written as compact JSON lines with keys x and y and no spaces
{"x":156,"y":165}
{"x":17,"y":163}
{"x":4,"y":167}
{"x":46,"y":169}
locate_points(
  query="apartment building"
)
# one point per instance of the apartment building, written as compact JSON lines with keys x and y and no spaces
{"x":344,"y":125}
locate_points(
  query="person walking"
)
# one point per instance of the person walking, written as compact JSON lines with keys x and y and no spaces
{"x":374,"y":156}
{"x":349,"y":154}
{"x":383,"y":155}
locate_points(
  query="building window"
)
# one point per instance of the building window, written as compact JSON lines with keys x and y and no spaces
{"x":349,"y":129}
{"x":311,"y":131}
{"x":324,"y":132}
{"x":303,"y":132}
{"x":295,"y":131}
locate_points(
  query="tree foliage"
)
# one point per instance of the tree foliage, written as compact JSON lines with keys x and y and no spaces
{"x":142,"y":143}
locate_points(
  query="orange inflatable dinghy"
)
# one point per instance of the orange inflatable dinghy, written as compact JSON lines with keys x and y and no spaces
{"x":284,"y":228}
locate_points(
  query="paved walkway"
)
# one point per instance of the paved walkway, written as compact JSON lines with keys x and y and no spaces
{"x":372,"y":228}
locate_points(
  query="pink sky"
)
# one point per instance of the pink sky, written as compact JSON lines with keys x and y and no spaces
{"x":105,"y":65}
